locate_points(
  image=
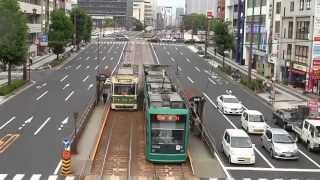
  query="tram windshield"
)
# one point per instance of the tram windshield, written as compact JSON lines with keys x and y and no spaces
{"x":124,"y":89}
{"x":167,"y":133}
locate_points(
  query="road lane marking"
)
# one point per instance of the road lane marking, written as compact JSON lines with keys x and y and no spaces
{"x":53,"y":177}
{"x":197,"y":69}
{"x":90,"y":86}
{"x":65,"y":77}
{"x":271,"y":169}
{"x":85,"y":79}
{"x":68,"y":97}
{"x":26,"y":122}
{"x":56,"y":170}
{"x":119,"y":58}
{"x":103,"y":58}
{"x":155,"y":54}
{"x":88,"y":58}
{"x":223,"y":166}
{"x":70,"y":178}
{"x":235,"y":127}
{"x":9,"y":121}
{"x":190,"y":79}
{"x":3,"y":176}
{"x":44,"y":84}
{"x":78,"y":67}
{"x":64,"y":122}
{"x":95,"y":58}
{"x":168,"y":52}
{"x":96,"y":67}
{"x":188,"y":59}
{"x":43,"y":94}
{"x":35,"y":177}
{"x":106,"y":67}
{"x":18,"y":177}
{"x":212,"y":81}
{"x":172,"y":59}
{"x":67,"y":85}
{"x":181,"y":53}
{"x":305,"y":155}
{"x":179,"y":68}
{"x":88,"y":67}
{"x":42,"y":125}
{"x":111,"y":59}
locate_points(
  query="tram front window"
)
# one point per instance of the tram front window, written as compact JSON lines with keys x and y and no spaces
{"x":127,"y":89}
{"x":167,"y":136}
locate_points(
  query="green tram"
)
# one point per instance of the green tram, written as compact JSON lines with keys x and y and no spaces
{"x":167,"y":117}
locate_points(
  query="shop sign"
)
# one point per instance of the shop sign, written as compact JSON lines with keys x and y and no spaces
{"x":316,"y":62}
{"x":316,"y":74}
{"x":300,"y":67}
{"x":313,"y":106}
{"x":316,"y":51}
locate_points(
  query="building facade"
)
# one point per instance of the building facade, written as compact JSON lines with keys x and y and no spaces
{"x":221,"y":9}
{"x":201,"y":6}
{"x":138,"y":10}
{"x":148,"y":12}
{"x":179,"y":14}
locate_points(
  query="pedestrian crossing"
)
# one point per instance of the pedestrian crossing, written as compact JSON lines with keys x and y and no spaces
{"x":136,"y":42}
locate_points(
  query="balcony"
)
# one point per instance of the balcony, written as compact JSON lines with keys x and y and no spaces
{"x":28,"y":8}
{"x":34,"y":28}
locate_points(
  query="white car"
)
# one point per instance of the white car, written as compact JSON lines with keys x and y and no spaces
{"x":253,"y":122}
{"x":229,"y":104}
{"x":237,"y":146}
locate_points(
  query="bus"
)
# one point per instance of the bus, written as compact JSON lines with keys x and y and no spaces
{"x":167,"y":117}
{"x":124,"y":88}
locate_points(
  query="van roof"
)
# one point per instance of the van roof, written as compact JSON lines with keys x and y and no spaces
{"x":314,"y":122}
{"x":253,"y":112}
{"x":237,"y":132}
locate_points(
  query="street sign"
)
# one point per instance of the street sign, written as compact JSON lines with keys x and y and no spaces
{"x":209,"y":14}
{"x":66,"y":143}
{"x":313,"y":106}
{"x":44,"y":40}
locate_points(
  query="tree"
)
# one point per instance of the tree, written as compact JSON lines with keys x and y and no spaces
{"x":222,"y":38}
{"x":13,"y":39}
{"x":60,"y":31}
{"x":82,"y":24}
{"x":108,"y":22}
{"x":133,"y":22}
{"x":194,"y":22}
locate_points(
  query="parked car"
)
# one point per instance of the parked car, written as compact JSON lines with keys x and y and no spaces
{"x":229,"y":104}
{"x":253,"y":121}
{"x":279,"y":144}
{"x":237,"y":146}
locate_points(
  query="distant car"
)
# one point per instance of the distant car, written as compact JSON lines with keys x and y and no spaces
{"x":189,"y":41}
{"x":237,"y":146}
{"x":253,"y":121}
{"x":156,"y":39}
{"x":201,"y":52}
{"x":121,"y":38}
{"x":279,"y":144}
{"x":229,"y":104}
{"x":285,"y":118}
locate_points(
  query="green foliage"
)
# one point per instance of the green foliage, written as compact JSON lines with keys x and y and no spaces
{"x":57,"y":62}
{"x":82,"y":23}
{"x":88,"y":31}
{"x":255,"y":85}
{"x":133,"y":22}
{"x":13,"y":38}
{"x":108,"y":22}
{"x":7,"y":89}
{"x":222,"y":38}
{"x":60,"y":31}
{"x":195,"y":22}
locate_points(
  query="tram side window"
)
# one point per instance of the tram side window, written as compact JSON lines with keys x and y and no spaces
{"x":167,"y":136}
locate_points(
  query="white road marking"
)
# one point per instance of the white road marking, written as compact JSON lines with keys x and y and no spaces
{"x":42,"y":125}
{"x":111,"y":59}
{"x":271,"y":169}
{"x":197,"y":69}
{"x":106,"y":67}
{"x":88,"y":67}
{"x":26,"y":122}
{"x":223,"y":167}
{"x":43,"y":94}
{"x":56,"y":170}
{"x":103,"y":58}
{"x":18,"y":177}
{"x":168,"y":52}
{"x":190,"y":79}
{"x":212,"y":81}
{"x":88,"y":58}
{"x":78,"y":67}
{"x":90,"y":86}
{"x":65,"y":77}
{"x":96,"y":67}
{"x":67,"y":85}
{"x":68,"y":97}
{"x":235,"y":127}
{"x":155,"y":54}
{"x":177,"y":48}
{"x":181,"y":53}
{"x":172,"y":59}
{"x":44,"y":84}
{"x":9,"y":121}
{"x":179,"y":68}
{"x":65,"y":121}
{"x":95,"y":58}
{"x":115,"y":67}
{"x":315,"y":163}
{"x":3,"y":176}
{"x":35,"y":177}
{"x":53,"y":177}
{"x":85,"y":79}
{"x":188,"y":60}
{"x":70,"y":178}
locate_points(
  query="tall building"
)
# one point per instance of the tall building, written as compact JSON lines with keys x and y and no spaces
{"x":34,"y":12}
{"x":179,"y":13}
{"x":148,"y":12}
{"x":138,"y":10}
{"x":201,"y":6}
{"x":221,"y":9}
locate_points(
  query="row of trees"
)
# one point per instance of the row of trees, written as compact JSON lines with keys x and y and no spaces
{"x":14,"y":33}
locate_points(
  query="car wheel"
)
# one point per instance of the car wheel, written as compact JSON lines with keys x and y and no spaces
{"x":271,"y":153}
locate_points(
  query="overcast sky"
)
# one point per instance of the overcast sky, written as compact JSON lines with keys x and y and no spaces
{"x":173,"y":3}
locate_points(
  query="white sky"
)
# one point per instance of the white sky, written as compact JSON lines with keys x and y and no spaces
{"x":173,"y":3}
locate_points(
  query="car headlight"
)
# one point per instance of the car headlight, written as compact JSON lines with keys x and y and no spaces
{"x":277,"y":150}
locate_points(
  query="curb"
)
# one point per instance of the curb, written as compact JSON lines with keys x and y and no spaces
{"x":17,"y":92}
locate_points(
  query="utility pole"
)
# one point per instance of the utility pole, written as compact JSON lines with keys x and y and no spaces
{"x":209,"y":16}
{"x":47,"y":17}
{"x":251,"y":42}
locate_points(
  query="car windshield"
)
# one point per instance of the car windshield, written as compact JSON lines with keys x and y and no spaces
{"x":230,"y":100}
{"x":256,"y":118}
{"x":241,"y":142}
{"x":289,"y":115}
{"x":283,"y":138}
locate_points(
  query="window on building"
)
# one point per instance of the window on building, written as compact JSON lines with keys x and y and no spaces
{"x":277,"y":27}
{"x":289,"y":51}
{"x":291,"y":6}
{"x":308,"y":4}
{"x":302,"y":30}
{"x":290,"y":30}
{"x":278,"y":7}
{"x":301,"y":53}
{"x":301,"y":5}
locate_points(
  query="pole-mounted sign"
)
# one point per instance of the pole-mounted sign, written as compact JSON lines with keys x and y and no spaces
{"x":209,"y":14}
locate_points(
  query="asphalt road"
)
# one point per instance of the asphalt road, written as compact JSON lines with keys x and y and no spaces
{"x":42,"y":116}
{"x":192,"y":70}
